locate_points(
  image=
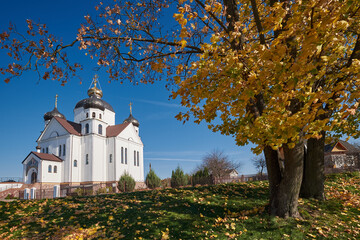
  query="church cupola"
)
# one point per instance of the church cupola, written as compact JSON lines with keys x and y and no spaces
{"x":94,"y":100}
{"x":132,"y":120}
{"x":54,"y":113}
{"x":94,"y":110}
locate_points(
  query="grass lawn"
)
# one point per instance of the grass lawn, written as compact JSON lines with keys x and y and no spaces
{"x":223,"y":211}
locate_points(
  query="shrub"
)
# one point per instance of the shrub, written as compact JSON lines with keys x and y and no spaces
{"x":165,"y":182}
{"x":202,"y":177}
{"x":104,"y":190}
{"x":126,"y":183}
{"x":152,"y":180}
{"x":82,"y":192}
{"x":10,"y":196}
{"x":178,"y":178}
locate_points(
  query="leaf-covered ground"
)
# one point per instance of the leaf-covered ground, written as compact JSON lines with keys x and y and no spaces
{"x":224,"y":211}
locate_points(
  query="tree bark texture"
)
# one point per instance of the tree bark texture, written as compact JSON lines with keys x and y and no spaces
{"x":289,"y":188}
{"x":314,"y":177}
{"x":273,"y":169}
{"x":284,"y":189}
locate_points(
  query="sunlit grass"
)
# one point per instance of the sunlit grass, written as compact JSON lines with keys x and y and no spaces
{"x":237,"y":211}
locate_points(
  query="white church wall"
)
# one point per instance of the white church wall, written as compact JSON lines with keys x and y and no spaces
{"x":137,"y":172}
{"x":109,"y":117}
{"x":53,"y":129}
{"x":76,"y":155}
{"x":86,"y":169}
{"x":111,"y":166}
{"x":94,"y":127}
{"x":51,"y":177}
{"x":53,"y":145}
{"x":98,"y":158}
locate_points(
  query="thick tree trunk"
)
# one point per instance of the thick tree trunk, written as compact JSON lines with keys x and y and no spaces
{"x":314,"y":177}
{"x":273,"y":169}
{"x":289,"y":188}
{"x":284,"y":190}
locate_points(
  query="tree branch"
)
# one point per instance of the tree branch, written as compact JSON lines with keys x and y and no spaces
{"x":258,"y":21}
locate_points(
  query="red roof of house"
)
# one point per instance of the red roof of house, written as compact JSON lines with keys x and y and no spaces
{"x":45,"y":156}
{"x":113,"y":131}
{"x":71,"y":127}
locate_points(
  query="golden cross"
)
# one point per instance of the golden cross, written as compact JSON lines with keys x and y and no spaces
{"x":95,"y":79}
{"x":56,"y":97}
{"x":130,"y":104}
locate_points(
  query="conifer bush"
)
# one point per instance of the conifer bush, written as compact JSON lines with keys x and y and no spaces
{"x":152,"y":180}
{"x":202,"y":177}
{"x":126,"y":183}
{"x":178,"y":178}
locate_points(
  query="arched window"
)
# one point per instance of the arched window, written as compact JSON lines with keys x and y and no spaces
{"x":75,"y":163}
{"x":49,"y":169}
{"x":47,"y":150}
{"x":110,"y":158}
{"x":122,"y":155}
{"x":134,"y":158}
{"x":59,"y":150}
{"x":100,"y":115}
{"x":43,"y":150}
{"x":55,"y":169}
{"x":100,"y":129}
{"x":64,"y":150}
{"x":87,"y":128}
{"x":87,"y":115}
{"x":87,"y":159}
{"x":93,"y":115}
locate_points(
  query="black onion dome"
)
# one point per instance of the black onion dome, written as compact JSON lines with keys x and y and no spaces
{"x":94,"y":102}
{"x":54,"y":113}
{"x":132,"y":120}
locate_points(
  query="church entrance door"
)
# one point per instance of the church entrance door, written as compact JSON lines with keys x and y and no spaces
{"x":33,"y":177}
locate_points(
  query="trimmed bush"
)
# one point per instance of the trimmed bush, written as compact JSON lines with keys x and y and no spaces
{"x":178,"y":178}
{"x":152,"y":180}
{"x":126,"y":183}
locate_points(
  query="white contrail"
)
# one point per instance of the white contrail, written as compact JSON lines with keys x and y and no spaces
{"x":173,"y":159}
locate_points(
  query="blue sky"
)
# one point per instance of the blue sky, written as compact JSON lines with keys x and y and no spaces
{"x":168,"y":142}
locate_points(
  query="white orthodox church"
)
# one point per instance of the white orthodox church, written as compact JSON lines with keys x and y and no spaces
{"x":91,"y":149}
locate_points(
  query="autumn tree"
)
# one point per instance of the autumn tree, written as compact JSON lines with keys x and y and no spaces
{"x":275,"y":73}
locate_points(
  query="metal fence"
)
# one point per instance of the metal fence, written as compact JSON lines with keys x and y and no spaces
{"x":64,"y":191}
{"x":11,"y":179}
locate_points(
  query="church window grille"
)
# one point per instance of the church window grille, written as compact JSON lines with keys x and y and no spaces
{"x":87,"y":159}
{"x":47,"y":150}
{"x":59,"y":150}
{"x":87,"y":128}
{"x":55,"y":169}
{"x":122,"y":155}
{"x":93,"y":114}
{"x":100,"y":115}
{"x":75,"y":163}
{"x":100,"y":129}
{"x":134,"y":158}
{"x":110,"y":159}
{"x":125,"y":155}
{"x":64,"y":150}
{"x":138,"y":158}
{"x":49,"y":169}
